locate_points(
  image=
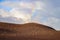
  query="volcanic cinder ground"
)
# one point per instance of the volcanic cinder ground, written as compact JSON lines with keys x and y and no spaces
{"x":28,"y":31}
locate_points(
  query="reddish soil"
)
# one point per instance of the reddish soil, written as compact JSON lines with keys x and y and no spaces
{"x":28,"y":31}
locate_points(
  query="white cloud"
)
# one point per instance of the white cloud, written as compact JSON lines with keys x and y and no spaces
{"x":25,"y":5}
{"x":16,"y":13}
{"x":10,"y":4}
{"x":25,"y":16}
{"x":39,"y":5}
{"x":10,"y":17}
{"x":33,"y":6}
{"x":4,"y":13}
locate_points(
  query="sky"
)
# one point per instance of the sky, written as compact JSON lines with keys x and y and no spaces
{"x":46,"y":12}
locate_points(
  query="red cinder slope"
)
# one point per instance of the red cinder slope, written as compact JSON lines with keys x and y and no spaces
{"x":28,"y":31}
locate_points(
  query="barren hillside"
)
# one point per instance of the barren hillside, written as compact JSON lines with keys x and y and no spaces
{"x":28,"y":31}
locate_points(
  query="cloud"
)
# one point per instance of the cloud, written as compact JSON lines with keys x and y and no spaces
{"x":4,"y":13}
{"x":39,"y":5}
{"x":11,"y":20}
{"x":24,"y":4}
{"x":18,"y":13}
{"x":31,"y":6}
